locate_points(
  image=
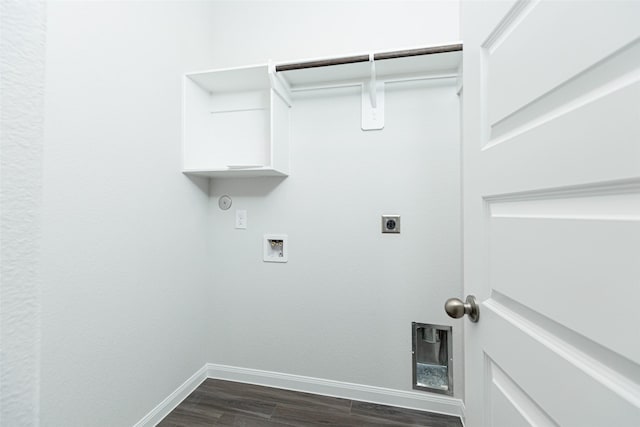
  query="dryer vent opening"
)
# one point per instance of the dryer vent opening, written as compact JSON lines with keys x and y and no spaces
{"x":432,"y":358}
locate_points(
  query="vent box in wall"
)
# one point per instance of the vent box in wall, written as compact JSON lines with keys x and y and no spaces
{"x":432,"y":357}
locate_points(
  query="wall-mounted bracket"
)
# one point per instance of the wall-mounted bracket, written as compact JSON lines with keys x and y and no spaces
{"x":372,"y":81}
{"x":279,"y":85}
{"x":372,"y":100}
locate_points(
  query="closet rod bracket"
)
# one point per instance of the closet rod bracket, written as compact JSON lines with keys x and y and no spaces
{"x":372,"y":100}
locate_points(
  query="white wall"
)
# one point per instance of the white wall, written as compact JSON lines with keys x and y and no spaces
{"x":22,"y":35}
{"x":248,"y":32}
{"x":131,"y":246}
{"x":123,"y":318}
{"x":342,"y":307}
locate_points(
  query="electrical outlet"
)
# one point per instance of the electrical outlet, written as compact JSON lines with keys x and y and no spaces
{"x":391,"y":224}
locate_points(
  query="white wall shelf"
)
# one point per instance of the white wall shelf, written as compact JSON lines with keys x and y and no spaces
{"x":389,"y":67}
{"x":235,"y":123}
{"x":372,"y":72}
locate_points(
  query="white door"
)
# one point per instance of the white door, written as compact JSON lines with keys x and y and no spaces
{"x":551,"y":165}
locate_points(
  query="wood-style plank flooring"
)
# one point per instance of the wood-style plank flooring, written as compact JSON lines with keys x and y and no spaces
{"x":226,"y":403}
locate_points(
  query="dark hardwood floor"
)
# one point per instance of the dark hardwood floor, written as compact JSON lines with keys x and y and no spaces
{"x":226,"y":403}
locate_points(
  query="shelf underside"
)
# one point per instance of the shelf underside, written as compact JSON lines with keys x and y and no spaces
{"x":235,"y":173}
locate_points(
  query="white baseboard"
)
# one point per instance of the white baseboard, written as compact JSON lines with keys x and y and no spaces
{"x":169,"y":404}
{"x":365,"y":393}
{"x":405,"y":399}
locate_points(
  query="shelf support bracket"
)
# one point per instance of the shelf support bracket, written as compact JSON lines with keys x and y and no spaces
{"x":372,"y":100}
{"x":279,"y":85}
{"x":372,"y":81}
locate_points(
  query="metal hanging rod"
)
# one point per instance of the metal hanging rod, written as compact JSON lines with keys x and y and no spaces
{"x":365,"y":58}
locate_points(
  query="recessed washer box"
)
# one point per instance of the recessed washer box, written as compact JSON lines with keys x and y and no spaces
{"x":276,"y":248}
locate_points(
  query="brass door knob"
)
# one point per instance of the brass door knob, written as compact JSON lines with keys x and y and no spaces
{"x":456,"y":308}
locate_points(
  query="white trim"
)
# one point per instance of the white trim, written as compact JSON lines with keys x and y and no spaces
{"x":404,"y":399}
{"x":174,"y":399}
{"x":385,"y":396}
